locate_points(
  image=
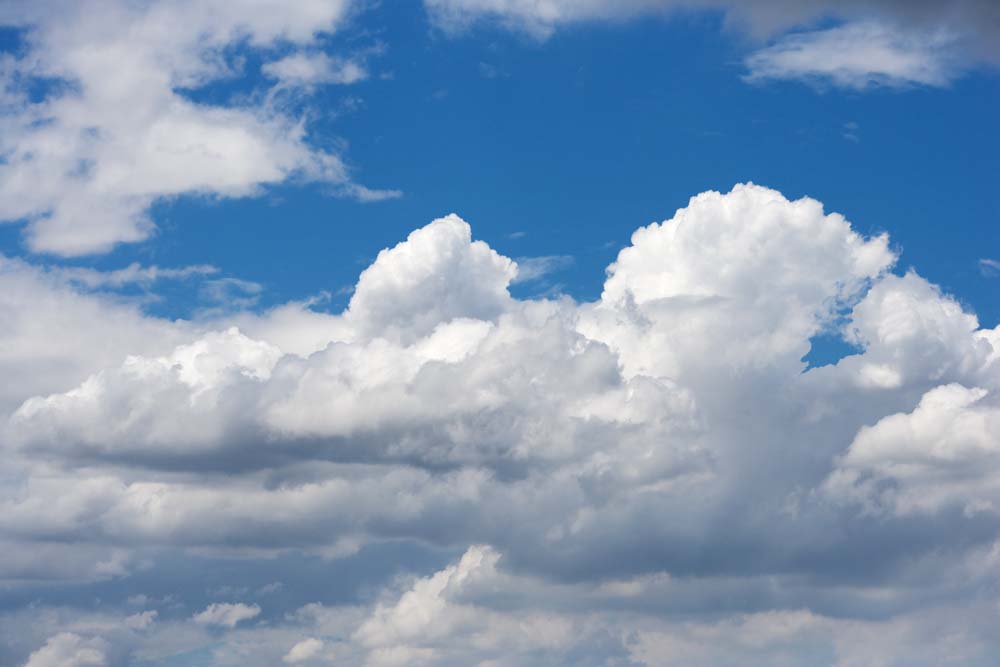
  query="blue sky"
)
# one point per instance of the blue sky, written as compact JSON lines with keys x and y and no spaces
{"x":268,"y":403}
{"x":576,"y":140}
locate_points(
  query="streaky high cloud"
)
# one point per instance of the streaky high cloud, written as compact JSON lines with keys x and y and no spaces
{"x":860,"y":55}
{"x":989,"y":267}
{"x":977,"y":18}
{"x":116,"y":129}
{"x":889,"y":42}
{"x":531,"y":269}
{"x":133,"y":274}
{"x":227,"y":615}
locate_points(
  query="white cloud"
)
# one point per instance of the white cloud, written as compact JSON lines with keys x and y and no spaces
{"x":268,"y":589}
{"x":989,"y":267}
{"x":801,"y":637}
{"x":197,"y":370}
{"x":310,"y":69}
{"x":702,"y":275}
{"x":424,"y":613}
{"x":915,"y":335}
{"x":635,"y":459}
{"x":133,"y":274}
{"x":530,"y":269}
{"x":225,"y":614}
{"x":69,"y":650}
{"x":434,"y":363}
{"x":141,"y":620}
{"x":436,"y":275}
{"x":850,"y":131}
{"x":229,"y":294}
{"x":556,"y":625}
{"x":860,"y":55}
{"x":888,"y":42}
{"x":542,"y":17}
{"x":437,"y":622}
{"x":945,"y":452}
{"x":304,"y":650}
{"x":40,"y":306}
{"x":84,"y":165}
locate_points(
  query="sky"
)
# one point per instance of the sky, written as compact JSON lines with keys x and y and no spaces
{"x":501,"y":333}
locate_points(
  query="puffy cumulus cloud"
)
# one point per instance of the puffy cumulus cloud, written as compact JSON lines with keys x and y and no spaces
{"x":892,"y":42}
{"x":436,"y":275}
{"x":225,"y":614}
{"x":193,"y":373}
{"x":946,"y":451}
{"x":394,"y":386}
{"x":690,"y":281}
{"x":421,"y":613}
{"x":656,"y":473}
{"x":114,"y":130}
{"x":913,"y":336}
{"x":69,"y":650}
{"x":441,"y":620}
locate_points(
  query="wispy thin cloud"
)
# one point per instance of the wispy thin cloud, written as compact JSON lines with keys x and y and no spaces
{"x":531,"y":269}
{"x":849,"y":131}
{"x":859,"y":55}
{"x":133,"y":274}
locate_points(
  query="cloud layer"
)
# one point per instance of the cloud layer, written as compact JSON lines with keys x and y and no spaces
{"x":652,"y":478}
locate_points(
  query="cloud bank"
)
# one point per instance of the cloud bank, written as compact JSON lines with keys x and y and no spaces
{"x":652,"y":478}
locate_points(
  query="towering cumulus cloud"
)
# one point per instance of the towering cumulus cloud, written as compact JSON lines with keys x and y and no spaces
{"x":652,"y":478}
